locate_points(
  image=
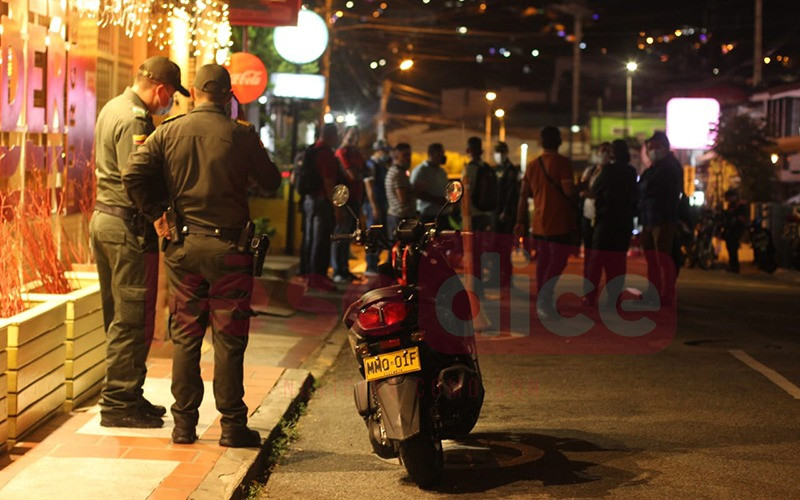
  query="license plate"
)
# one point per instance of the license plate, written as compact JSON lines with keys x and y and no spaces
{"x":391,"y":364}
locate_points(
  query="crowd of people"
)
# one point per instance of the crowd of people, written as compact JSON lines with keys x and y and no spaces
{"x":598,"y":211}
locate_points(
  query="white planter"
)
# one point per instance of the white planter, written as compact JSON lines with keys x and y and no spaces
{"x":35,"y":371}
{"x":84,"y":366}
{"x":3,"y":388}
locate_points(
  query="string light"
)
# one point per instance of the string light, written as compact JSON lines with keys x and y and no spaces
{"x":206,"y":20}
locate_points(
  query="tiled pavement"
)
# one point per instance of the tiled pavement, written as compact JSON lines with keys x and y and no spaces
{"x":71,"y":456}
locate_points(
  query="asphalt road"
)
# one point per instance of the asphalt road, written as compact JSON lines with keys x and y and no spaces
{"x":695,"y":420}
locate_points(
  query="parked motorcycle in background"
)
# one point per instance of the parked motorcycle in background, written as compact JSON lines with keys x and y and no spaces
{"x":761,"y":238}
{"x":701,"y":251}
{"x":417,"y":389}
{"x":791,"y":237}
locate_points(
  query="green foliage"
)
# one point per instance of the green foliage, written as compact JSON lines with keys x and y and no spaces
{"x":743,"y":142}
{"x":263,"y":227}
{"x":260,"y":43}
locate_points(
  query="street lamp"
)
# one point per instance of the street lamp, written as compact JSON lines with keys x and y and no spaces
{"x":490,"y":97}
{"x":500,"y":114}
{"x":631,"y":67}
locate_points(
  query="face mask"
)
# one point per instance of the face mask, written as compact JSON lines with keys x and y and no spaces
{"x":164,"y":110}
{"x":498,"y":158}
{"x":656,"y":155}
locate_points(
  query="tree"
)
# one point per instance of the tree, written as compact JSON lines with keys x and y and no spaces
{"x":744,"y":142}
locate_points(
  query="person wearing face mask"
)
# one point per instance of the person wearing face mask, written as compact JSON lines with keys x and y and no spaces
{"x":428,"y":181}
{"x":508,"y":189}
{"x":660,"y":189}
{"x":614,"y":194}
{"x":588,"y":213}
{"x":125,"y":247}
{"x":208,"y":160}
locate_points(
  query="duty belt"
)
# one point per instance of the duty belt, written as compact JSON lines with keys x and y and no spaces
{"x":127,"y":213}
{"x":228,"y":234}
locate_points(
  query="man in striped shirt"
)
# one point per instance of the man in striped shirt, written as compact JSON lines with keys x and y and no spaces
{"x":398,"y":189}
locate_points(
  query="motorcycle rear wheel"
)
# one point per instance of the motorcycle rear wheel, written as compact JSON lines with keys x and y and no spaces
{"x":423,"y":459}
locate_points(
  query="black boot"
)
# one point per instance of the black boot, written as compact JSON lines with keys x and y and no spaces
{"x":240,"y":437}
{"x":184,"y":435}
{"x":149,"y":408}
{"x":132,"y":418}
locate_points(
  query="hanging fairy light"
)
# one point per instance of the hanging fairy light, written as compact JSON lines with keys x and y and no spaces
{"x":206,"y":20}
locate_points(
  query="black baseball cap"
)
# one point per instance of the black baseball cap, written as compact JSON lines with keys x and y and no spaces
{"x":660,"y":137}
{"x":163,"y":70}
{"x":213,"y":78}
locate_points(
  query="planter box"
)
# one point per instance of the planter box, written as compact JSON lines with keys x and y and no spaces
{"x":36,"y":356}
{"x":85,"y":337}
{"x":3,"y":388}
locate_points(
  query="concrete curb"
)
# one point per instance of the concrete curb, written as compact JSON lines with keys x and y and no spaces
{"x":237,"y":466}
{"x":325,"y":355}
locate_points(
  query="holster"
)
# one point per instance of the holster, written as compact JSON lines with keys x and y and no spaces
{"x":246,"y":236}
{"x":259,"y":245}
{"x":174,"y":224}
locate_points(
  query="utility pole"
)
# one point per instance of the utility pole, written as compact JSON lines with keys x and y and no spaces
{"x":325,"y":67}
{"x":383,"y":114}
{"x":757,"y":45}
{"x":577,"y":9}
{"x":576,"y":76}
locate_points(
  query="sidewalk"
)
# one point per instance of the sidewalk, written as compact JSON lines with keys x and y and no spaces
{"x":72,"y":456}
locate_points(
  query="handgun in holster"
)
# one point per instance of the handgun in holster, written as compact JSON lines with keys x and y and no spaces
{"x":248,"y":231}
{"x":174,"y":224}
{"x":259,"y":245}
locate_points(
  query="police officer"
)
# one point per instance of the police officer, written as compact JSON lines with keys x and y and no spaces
{"x":206,"y":159}
{"x":125,"y":248}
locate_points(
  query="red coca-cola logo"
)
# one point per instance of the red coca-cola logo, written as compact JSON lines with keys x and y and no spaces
{"x":248,"y":76}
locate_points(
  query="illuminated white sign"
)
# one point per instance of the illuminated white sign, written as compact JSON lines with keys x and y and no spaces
{"x":690,"y":121}
{"x":305,"y":42}
{"x":298,"y":85}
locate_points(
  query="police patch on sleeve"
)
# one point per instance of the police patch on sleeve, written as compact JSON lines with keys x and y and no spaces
{"x":139,"y":111}
{"x":138,"y":139}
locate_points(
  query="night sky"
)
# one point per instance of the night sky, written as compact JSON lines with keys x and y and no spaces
{"x":714,"y":49}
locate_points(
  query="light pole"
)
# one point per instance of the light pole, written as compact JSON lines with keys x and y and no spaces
{"x":386,"y":90}
{"x":500,"y":114}
{"x":631,"y":68}
{"x":490,"y":97}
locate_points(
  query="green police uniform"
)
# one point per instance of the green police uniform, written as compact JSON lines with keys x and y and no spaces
{"x":125,"y":249}
{"x":126,"y":263}
{"x":206,"y":159}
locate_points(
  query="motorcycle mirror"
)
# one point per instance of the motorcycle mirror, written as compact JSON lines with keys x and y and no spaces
{"x":340,"y":195}
{"x":453,"y":192}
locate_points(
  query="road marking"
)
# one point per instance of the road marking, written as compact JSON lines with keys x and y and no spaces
{"x":774,"y":377}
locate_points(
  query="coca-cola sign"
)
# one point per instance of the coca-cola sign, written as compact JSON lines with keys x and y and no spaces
{"x":248,"y":76}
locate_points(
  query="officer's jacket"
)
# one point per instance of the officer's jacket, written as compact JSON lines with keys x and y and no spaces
{"x":123,"y":124}
{"x":206,"y":159}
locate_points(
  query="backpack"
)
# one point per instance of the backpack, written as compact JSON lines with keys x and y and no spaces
{"x":484,"y":192}
{"x":307,"y":179}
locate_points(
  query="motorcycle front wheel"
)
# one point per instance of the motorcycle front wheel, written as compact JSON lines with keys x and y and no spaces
{"x":423,"y":458}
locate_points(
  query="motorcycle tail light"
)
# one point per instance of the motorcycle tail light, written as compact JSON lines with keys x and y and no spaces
{"x":394,"y":312}
{"x":370,"y":318}
{"x":385,"y":345}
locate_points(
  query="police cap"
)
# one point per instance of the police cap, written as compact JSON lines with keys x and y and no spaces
{"x":213,"y":78}
{"x":163,"y":70}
